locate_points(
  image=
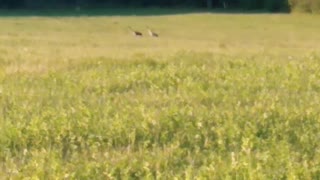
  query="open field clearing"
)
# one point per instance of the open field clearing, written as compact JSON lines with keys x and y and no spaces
{"x":216,"y":96}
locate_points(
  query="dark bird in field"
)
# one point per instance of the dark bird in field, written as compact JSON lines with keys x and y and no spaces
{"x":152,"y":34}
{"x":136,"y":33}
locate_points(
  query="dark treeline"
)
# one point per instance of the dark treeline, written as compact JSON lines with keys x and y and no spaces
{"x":269,"y":5}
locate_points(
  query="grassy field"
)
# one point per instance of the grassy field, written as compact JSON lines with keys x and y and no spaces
{"x":217,"y":96}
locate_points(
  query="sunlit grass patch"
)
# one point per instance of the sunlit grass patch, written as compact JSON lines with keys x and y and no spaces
{"x":81,"y":102}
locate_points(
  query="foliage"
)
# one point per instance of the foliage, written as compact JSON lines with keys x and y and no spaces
{"x":271,"y":5}
{"x":312,"y":6}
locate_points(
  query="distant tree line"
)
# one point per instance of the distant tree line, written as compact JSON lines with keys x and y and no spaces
{"x":270,"y":5}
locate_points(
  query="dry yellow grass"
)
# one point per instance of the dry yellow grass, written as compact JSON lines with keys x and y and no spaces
{"x":42,"y":39}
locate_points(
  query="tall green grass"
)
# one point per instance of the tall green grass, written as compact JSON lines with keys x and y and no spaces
{"x":234,"y":97}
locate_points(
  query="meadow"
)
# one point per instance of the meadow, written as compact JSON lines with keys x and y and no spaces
{"x":216,"y":96}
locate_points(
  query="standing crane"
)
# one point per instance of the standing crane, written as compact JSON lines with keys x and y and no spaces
{"x":152,"y":34}
{"x":136,"y":33}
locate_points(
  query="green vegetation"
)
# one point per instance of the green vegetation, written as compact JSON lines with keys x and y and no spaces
{"x":217,"y":96}
{"x":310,"y":6}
